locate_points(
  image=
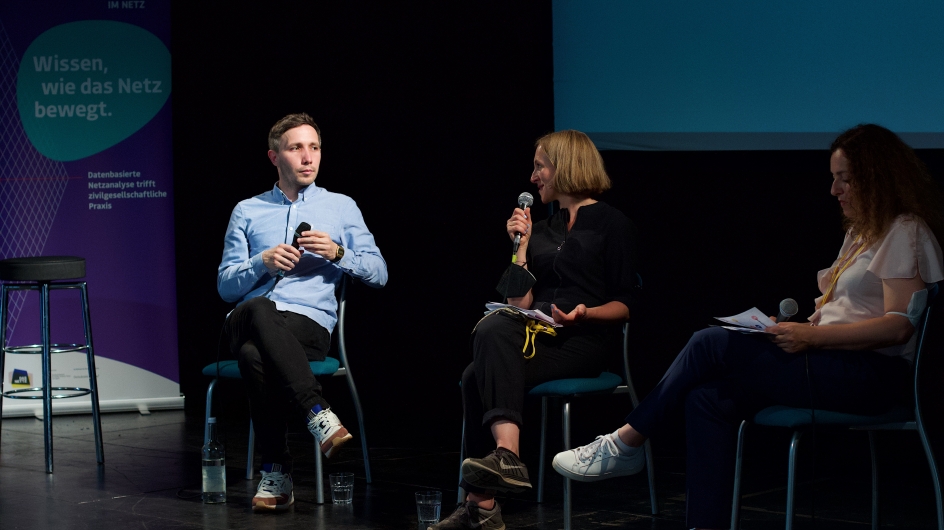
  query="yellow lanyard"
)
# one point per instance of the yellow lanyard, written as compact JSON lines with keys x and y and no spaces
{"x":532,"y":328}
{"x":841,"y":268}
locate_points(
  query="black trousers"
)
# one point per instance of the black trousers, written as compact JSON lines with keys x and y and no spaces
{"x":273,"y":349}
{"x":722,"y":377}
{"x":495,"y":384}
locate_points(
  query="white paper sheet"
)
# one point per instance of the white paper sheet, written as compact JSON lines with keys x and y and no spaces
{"x":750,"y":321}
{"x":536,"y":314}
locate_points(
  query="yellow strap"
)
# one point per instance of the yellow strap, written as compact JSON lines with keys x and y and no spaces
{"x":841,"y":268}
{"x":531,"y":329}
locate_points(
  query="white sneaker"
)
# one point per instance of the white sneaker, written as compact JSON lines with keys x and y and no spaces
{"x":328,"y":431}
{"x":275,"y":491}
{"x":599,"y":460}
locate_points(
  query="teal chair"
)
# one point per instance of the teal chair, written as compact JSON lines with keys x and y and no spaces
{"x":567,"y":390}
{"x":329,"y":367}
{"x":800,"y":420}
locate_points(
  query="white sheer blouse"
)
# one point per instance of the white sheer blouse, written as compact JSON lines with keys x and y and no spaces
{"x":907,"y":249}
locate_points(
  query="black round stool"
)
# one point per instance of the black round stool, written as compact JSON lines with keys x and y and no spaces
{"x":42,"y":274}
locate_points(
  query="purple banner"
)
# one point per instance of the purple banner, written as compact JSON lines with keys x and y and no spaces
{"x":86,"y":170}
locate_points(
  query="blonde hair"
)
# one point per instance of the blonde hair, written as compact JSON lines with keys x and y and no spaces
{"x":578,"y":166}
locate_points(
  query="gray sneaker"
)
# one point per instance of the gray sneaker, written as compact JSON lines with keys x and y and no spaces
{"x":501,"y":470}
{"x":469,"y":515}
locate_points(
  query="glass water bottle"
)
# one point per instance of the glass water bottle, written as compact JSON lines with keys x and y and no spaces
{"x":214,"y":468}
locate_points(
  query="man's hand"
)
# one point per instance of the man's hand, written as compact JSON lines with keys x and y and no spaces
{"x":282,"y":257}
{"x":569,"y":319}
{"x":793,"y":337}
{"x":320,"y":243}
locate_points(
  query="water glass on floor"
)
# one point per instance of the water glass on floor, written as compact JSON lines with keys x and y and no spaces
{"x":342,"y":487}
{"x":428,"y":504}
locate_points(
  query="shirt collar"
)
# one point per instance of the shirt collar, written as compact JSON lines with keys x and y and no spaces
{"x":303,"y":194}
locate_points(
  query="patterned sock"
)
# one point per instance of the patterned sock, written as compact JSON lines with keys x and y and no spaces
{"x":314,"y":412}
{"x":269,"y":468}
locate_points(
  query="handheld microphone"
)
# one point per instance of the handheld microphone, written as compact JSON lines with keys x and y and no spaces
{"x":302,"y":227}
{"x":525,"y":200}
{"x":788,"y":308}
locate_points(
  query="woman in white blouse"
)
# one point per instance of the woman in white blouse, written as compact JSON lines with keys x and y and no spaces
{"x":854,"y":355}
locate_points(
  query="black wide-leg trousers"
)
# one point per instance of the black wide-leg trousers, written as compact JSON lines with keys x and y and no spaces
{"x":495,"y":384}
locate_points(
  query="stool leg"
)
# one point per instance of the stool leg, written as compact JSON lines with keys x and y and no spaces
{"x":3,"y":343}
{"x":93,"y":377}
{"x":47,"y":372}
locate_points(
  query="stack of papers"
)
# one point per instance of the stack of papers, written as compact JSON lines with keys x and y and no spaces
{"x":535,"y":314}
{"x":750,"y":321}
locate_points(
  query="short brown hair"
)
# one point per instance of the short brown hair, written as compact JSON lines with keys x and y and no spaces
{"x":287,"y":123}
{"x":887,"y":179}
{"x":578,"y":166}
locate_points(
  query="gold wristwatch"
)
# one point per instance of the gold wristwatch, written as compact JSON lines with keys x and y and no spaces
{"x":338,"y":255}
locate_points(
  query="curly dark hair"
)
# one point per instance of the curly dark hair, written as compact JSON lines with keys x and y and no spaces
{"x":887,"y":179}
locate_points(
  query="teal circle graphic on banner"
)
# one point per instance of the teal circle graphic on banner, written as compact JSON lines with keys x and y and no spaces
{"x":83,"y":87}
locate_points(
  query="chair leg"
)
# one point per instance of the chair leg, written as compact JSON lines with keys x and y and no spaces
{"x":250,"y":457}
{"x":360,"y":421}
{"x":738,"y":462}
{"x":93,"y":374}
{"x":460,"y":498}
{"x":634,"y":399}
{"x":932,"y":463}
{"x":652,"y":478}
{"x":342,"y":352}
{"x":542,"y":450}
{"x":319,"y":476}
{"x":874,"y":455}
{"x":791,"y":478}
{"x":47,"y":372}
{"x":209,"y":411}
{"x":568,"y":507}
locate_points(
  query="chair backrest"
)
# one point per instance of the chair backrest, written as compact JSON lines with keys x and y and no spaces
{"x":342,"y":310}
{"x":627,"y":377}
{"x":934,"y":301}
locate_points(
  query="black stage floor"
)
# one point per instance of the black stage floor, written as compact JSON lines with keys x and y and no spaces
{"x":151,"y":479}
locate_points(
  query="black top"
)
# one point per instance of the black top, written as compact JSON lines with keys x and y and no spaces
{"x":595,"y":263}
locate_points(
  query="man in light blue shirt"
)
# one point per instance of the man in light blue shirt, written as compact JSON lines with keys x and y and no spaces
{"x":284,"y":283}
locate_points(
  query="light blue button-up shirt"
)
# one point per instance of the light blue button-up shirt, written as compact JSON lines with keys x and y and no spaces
{"x":266,"y":220}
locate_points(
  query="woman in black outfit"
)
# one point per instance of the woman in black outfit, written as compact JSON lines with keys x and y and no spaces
{"x":583,"y":260}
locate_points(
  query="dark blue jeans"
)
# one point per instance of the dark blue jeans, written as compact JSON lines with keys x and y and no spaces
{"x":722,"y":377}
